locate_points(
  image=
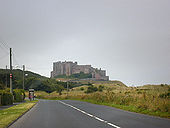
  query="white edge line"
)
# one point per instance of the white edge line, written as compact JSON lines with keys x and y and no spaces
{"x":95,"y":117}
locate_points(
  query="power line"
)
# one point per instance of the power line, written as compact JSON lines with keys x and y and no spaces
{"x":3,"y":48}
{"x":6,"y":48}
{"x":14,"y":55}
{"x":5,"y":44}
{"x":4,"y":56}
{"x":16,"y":62}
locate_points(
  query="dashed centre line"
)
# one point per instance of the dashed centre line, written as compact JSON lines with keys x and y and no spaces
{"x":95,"y":117}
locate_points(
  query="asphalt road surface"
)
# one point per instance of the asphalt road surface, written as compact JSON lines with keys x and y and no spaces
{"x":77,"y":114}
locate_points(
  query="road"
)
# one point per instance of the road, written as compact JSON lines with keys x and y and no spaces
{"x":77,"y":114}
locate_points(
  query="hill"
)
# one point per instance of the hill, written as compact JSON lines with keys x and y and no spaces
{"x":105,"y":83}
{"x":18,"y":77}
{"x":32,"y":80}
{"x":41,"y":83}
{"x":18,"y":73}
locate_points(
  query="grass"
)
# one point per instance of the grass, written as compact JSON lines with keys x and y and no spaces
{"x":148,"y":99}
{"x":7,"y":116}
{"x":123,"y":107}
{"x":132,"y":109}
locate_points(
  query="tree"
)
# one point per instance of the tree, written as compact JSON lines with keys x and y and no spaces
{"x":60,"y":89}
{"x":2,"y":86}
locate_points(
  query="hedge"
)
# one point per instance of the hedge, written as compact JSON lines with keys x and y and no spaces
{"x":6,"y":97}
{"x":19,"y":95}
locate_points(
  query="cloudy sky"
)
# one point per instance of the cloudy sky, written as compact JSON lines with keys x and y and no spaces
{"x":128,"y":38}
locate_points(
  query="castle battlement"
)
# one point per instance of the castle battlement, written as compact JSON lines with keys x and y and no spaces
{"x":69,"y":68}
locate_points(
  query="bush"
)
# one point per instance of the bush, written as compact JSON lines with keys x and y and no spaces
{"x":23,"y":94}
{"x":162,"y":85}
{"x":165,"y":95}
{"x":2,"y":86}
{"x":6,"y":98}
{"x":81,"y":88}
{"x":19,"y":95}
{"x":91,"y":89}
{"x":100,"y":88}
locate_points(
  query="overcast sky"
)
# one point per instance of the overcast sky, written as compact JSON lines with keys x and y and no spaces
{"x":130,"y":39}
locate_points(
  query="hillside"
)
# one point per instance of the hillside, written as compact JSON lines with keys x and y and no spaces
{"x":41,"y":83}
{"x":32,"y":80}
{"x":18,"y":73}
{"x":18,"y":76}
{"x":105,"y":83}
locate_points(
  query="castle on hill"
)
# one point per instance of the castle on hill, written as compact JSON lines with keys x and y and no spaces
{"x":68,"y":68}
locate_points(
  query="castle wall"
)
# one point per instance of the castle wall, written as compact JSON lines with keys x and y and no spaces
{"x":69,"y":68}
{"x":81,"y":68}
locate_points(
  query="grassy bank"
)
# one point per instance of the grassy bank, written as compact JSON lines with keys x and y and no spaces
{"x":123,"y":107}
{"x":151,"y":100}
{"x":130,"y":108}
{"x":9,"y":115}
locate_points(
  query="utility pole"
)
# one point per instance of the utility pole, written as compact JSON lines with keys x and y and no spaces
{"x":67,"y":88}
{"x":23,"y":76}
{"x":6,"y":77}
{"x":10,"y":70}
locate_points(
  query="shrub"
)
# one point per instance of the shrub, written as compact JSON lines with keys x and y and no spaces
{"x":100,"y":88}
{"x":23,"y":94}
{"x":81,"y":88}
{"x":6,"y":98}
{"x":91,"y":89}
{"x":19,"y":95}
{"x":127,"y":92}
{"x":162,"y":85}
{"x":165,"y":95}
{"x":2,"y":86}
{"x":139,"y":92}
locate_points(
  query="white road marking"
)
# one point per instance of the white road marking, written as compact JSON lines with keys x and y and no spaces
{"x":95,"y":117}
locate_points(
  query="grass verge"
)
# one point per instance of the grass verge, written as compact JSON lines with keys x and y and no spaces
{"x":7,"y":116}
{"x":123,"y":107}
{"x":132,"y":109}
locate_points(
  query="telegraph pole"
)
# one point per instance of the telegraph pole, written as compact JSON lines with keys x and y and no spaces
{"x":6,"y":77}
{"x":23,"y":76}
{"x":67,"y":88}
{"x":10,"y":70}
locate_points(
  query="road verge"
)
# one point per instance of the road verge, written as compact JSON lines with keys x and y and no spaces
{"x":10,"y":115}
{"x":130,"y":108}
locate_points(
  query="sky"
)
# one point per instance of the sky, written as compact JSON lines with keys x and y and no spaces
{"x":130,"y":39}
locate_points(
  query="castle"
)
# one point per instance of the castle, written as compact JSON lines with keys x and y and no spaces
{"x":68,"y":68}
